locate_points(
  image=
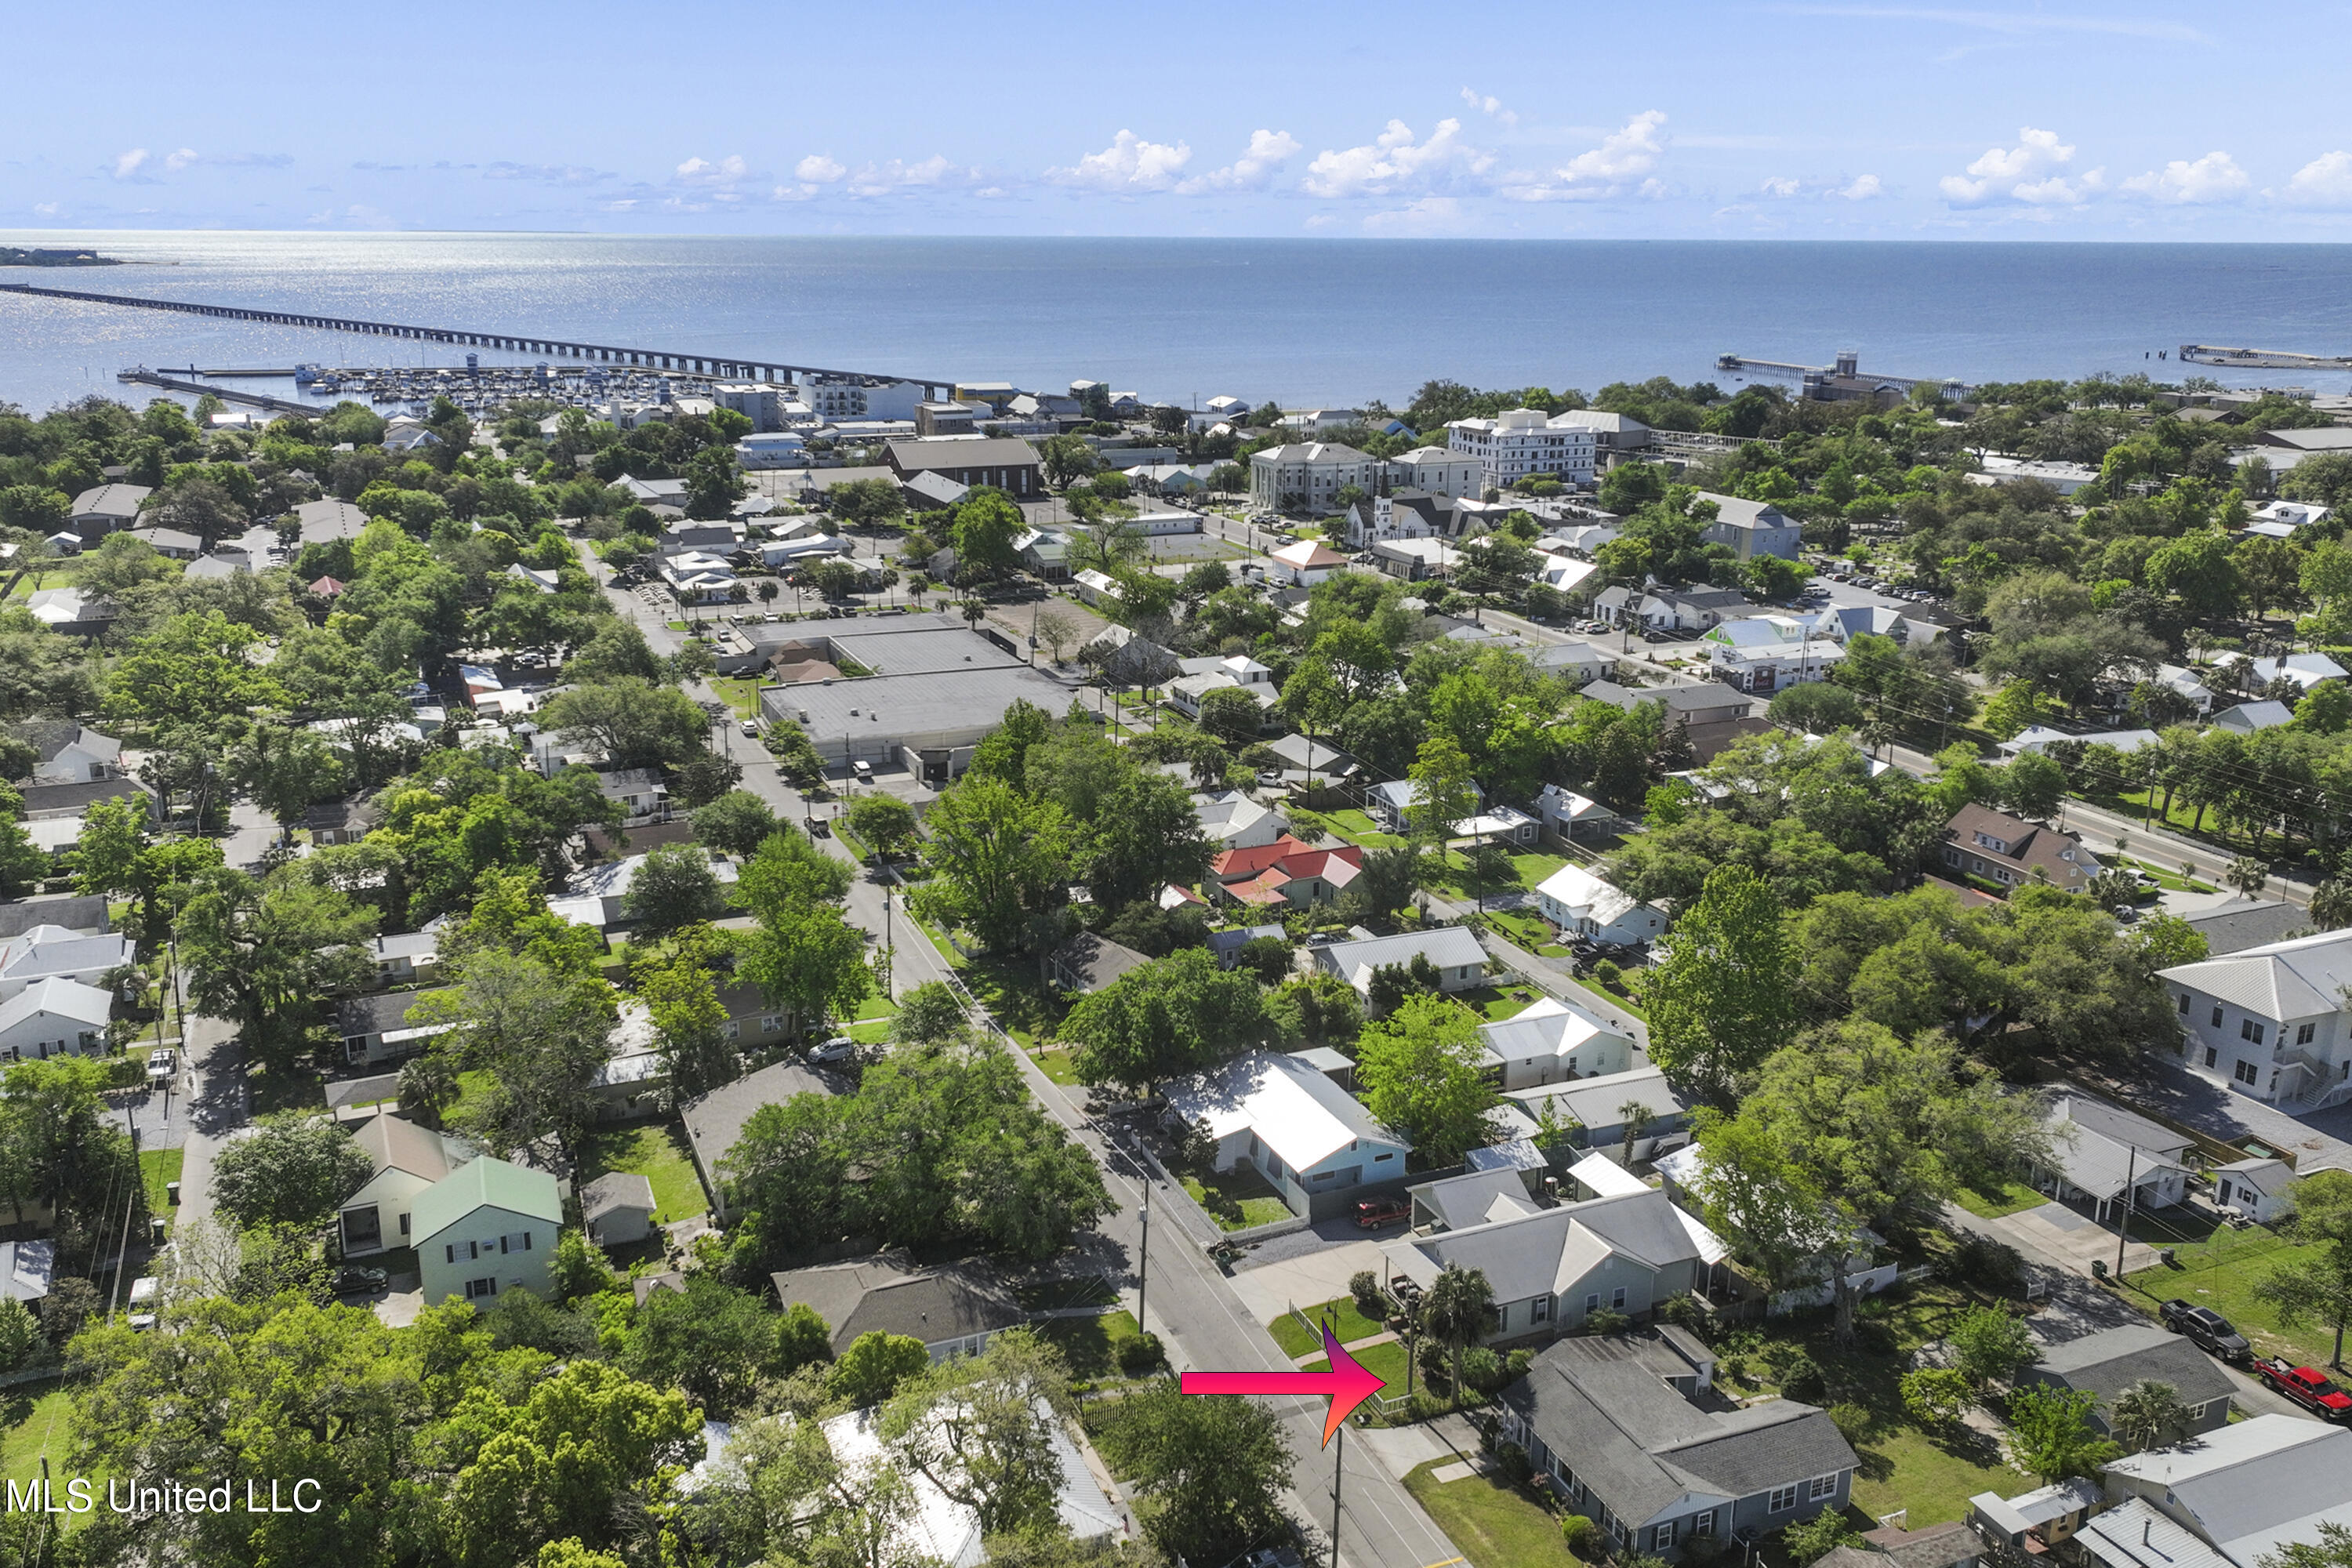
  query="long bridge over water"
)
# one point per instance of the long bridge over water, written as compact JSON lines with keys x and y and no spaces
{"x":655,"y":359}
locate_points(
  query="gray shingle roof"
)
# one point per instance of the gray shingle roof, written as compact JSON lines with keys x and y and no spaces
{"x":887,"y":1293}
{"x":2111,"y":1361}
{"x":2242,"y":923}
{"x":715,"y":1122}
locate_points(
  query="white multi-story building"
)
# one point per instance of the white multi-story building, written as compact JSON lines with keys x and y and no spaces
{"x":1439,"y":471}
{"x":2270,"y":1021}
{"x":833,"y":400}
{"x":1307,"y":476}
{"x":1520,"y":443}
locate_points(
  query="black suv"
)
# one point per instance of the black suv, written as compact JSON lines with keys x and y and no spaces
{"x":2207,"y":1328}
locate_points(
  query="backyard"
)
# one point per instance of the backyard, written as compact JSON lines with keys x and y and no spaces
{"x":657,"y":1152}
{"x":32,"y":1426}
{"x":1236,"y":1199}
{"x":2012,"y":1196}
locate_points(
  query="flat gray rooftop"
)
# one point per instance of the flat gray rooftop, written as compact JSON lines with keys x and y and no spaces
{"x":912,"y":708}
{"x":912,"y":644}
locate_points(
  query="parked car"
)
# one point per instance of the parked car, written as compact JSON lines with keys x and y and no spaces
{"x":1373,"y":1214}
{"x":2307,"y":1386}
{"x":751,"y":728}
{"x":162,"y":1062}
{"x":356,"y":1280}
{"x":839,"y":1049}
{"x":2207,"y":1328}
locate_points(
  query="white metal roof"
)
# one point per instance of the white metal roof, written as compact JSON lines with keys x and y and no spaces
{"x":2302,"y":978}
{"x":1575,"y":888}
{"x":1548,"y":1027}
{"x":1293,"y":1108}
{"x":59,"y":998}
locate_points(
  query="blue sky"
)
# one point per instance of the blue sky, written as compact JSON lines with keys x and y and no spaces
{"x":1802,"y":120}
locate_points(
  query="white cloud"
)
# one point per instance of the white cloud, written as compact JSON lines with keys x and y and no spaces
{"x":128,"y":164}
{"x":703,"y":172}
{"x":1489,"y":104}
{"x":1431,"y":215}
{"x":818,"y":169}
{"x":175,"y":162}
{"x":1269,"y":151}
{"x":1782,"y":186}
{"x":2324,"y":182}
{"x":1629,"y":151}
{"x":1864,"y":188}
{"x":1128,"y":163}
{"x":2215,"y":177}
{"x":45,"y":209}
{"x":1395,"y":163}
{"x":2028,"y":172}
{"x":551,"y":173}
{"x":933,"y":172}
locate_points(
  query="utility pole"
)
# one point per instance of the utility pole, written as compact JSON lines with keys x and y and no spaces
{"x":1339,"y":1470}
{"x":1143,"y":1260}
{"x":2131,"y":1173}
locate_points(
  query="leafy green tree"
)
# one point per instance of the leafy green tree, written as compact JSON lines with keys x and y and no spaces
{"x":736,"y":823}
{"x":873,"y":1367}
{"x":984,"y":1429}
{"x":884,"y":821}
{"x":294,"y":1168}
{"x":1002,"y":856}
{"x":285,"y":769}
{"x":1817,"y":708}
{"x":986,"y":524}
{"x":1230,"y":715}
{"x":1991,"y":1346}
{"x":1443,"y":794}
{"x":629,"y":721}
{"x":1937,"y":1396}
{"x":710,"y":1340}
{"x":537,"y":1038}
{"x":1423,"y":1071}
{"x":1722,"y":1002}
{"x":674,"y":888}
{"x":1217,"y":1470}
{"x":19,"y":1332}
{"x":1146,"y":836}
{"x":2317,"y":1289}
{"x":1177,"y":1014}
{"x":2332,"y":1550}
{"x":680,"y":988}
{"x":807,"y":961}
{"x":259,"y":953}
{"x":930,"y":1015}
{"x":2051,"y":1433}
{"x":2033,"y":784}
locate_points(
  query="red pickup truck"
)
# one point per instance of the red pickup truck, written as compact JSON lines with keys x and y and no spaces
{"x":2307,"y":1386}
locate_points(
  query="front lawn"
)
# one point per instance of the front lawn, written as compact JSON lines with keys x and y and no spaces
{"x":1385,"y":1361}
{"x":158,"y":1167}
{"x":872,"y":1026}
{"x":657,"y":1152}
{"x":1354,"y":826}
{"x":1931,"y":1472}
{"x":1236,"y":1199}
{"x":1615,"y":998}
{"x":738,"y":693}
{"x":1495,"y":1525}
{"x":1011,"y":989}
{"x":33,"y":1425}
{"x":1297,"y":1339}
{"x":1058,"y":1063}
{"x":1090,"y":1345}
{"x":2221,"y":1271}
{"x":2012,"y":1197}
{"x":1493,"y":1005}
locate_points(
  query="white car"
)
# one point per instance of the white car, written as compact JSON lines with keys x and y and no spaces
{"x":161,"y":1063}
{"x":839,"y":1049}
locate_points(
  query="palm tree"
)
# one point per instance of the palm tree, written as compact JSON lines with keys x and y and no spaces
{"x":2148,"y":1414}
{"x":1636,"y":1118}
{"x":1876,"y":735}
{"x":2247,"y":875}
{"x":768,"y":590}
{"x":2331,"y":904}
{"x":1458,"y":1308}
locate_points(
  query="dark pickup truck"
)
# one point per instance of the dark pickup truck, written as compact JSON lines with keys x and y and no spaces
{"x":2307,"y":1386}
{"x":2208,"y":1328}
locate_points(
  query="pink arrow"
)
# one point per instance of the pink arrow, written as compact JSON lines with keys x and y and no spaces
{"x":1347,"y":1382}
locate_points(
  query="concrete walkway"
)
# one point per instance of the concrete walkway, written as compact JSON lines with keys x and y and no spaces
{"x":1273,"y":1289}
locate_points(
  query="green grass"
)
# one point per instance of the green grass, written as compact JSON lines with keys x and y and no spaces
{"x":1357,"y":828}
{"x":1614,"y":998}
{"x":156,"y":1167}
{"x":1492,"y":1006}
{"x":1932,"y":1473}
{"x":2219,"y":1271}
{"x":1495,"y":1525}
{"x":872,"y":1025}
{"x":659,"y":1155}
{"x":32,"y":1422}
{"x":1528,"y":930}
{"x":737,"y":692}
{"x":1082,"y":1290}
{"x":1058,"y":1063}
{"x":1296,"y":1339}
{"x":301,"y":1090}
{"x":1259,"y":1202}
{"x":1090,"y":1345}
{"x":1011,"y":989}
{"x":1385,"y":1361}
{"x":2010,"y":1197}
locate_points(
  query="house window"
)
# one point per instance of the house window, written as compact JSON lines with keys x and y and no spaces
{"x":1539,"y":1309}
{"x":477,"y":1289}
{"x":1501,"y":1319}
{"x":2243,"y":1072}
{"x":1782,"y":1499}
{"x":1821,"y":1487}
{"x":1592,"y":1303}
{"x":2217,"y":1015}
{"x":519,"y":1242}
{"x":1617,"y":1299}
{"x":1703,"y":1526}
{"x":730,"y":1029}
{"x":2212,"y":1055}
{"x":2304,"y":1032}
{"x":1665,"y":1534}
{"x":403,"y":1224}
{"x":2250,"y":1030}
{"x":2184,"y":1003}
{"x":457,"y":1249}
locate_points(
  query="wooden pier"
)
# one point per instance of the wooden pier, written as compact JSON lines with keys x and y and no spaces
{"x":145,"y":377}
{"x":651,"y":359}
{"x":2261,"y":359}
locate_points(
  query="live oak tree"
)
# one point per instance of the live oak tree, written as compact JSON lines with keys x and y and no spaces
{"x":536,"y":1037}
{"x":1002,"y":856}
{"x":261,"y":952}
{"x":293,"y":1168}
{"x":1217,"y":1468}
{"x":735,"y":823}
{"x":1177,"y":1015}
{"x":874,"y":1365}
{"x":1722,"y":1002}
{"x":631,"y":722}
{"x":673,"y":888}
{"x":1423,"y":1069}
{"x":882,"y":822}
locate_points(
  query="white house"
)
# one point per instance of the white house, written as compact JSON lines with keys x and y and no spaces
{"x":1303,"y":563}
{"x":1232,"y":820}
{"x":52,"y":1018}
{"x":2258,"y":1188}
{"x":2305,"y":669}
{"x":2097,"y":1151}
{"x":1303,"y":1133}
{"x":1307,"y":476}
{"x":67,"y":752}
{"x":1391,"y":803}
{"x":407,"y":1160}
{"x":1439,"y":471}
{"x":1765,"y":654}
{"x":1460,"y":961}
{"x":2245,"y":718}
{"x":1582,"y":904}
{"x":2270,"y":1021}
{"x":1553,"y":1041}
{"x":609,"y":881}
{"x":1751,"y":528}
{"x":48,"y":953}
{"x":2279,"y":518}
{"x":1564,"y":811}
{"x":1523,"y":443}
{"x":485,"y":1227}
{"x":772,"y":450}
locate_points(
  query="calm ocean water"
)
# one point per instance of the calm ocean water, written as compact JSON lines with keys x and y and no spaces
{"x":1301,"y":322}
